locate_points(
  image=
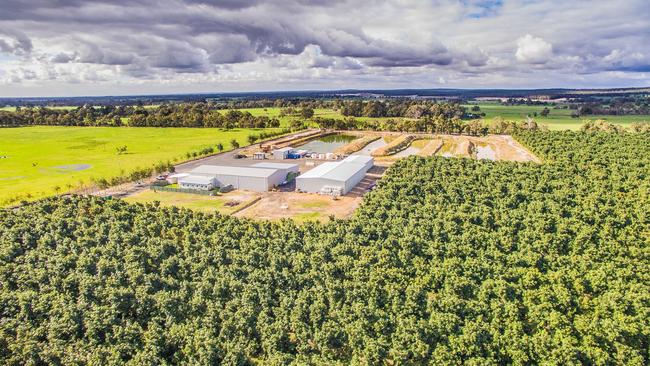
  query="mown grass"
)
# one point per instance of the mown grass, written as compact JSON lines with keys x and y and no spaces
{"x":31,"y":157}
{"x":194,"y":202}
{"x":310,"y":216}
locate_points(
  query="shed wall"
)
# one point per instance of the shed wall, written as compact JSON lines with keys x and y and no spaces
{"x":257,"y":184}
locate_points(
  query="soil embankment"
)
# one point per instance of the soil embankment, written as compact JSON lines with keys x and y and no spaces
{"x":356,"y":145}
{"x":400,"y":143}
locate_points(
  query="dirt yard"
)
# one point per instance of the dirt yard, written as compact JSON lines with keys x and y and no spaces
{"x":492,"y":147}
{"x":300,"y":207}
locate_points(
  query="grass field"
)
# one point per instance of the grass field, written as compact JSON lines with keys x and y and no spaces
{"x":36,"y":160}
{"x":194,"y":201}
{"x":558,"y":119}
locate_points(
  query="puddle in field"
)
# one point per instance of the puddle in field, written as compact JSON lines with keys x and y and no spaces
{"x":69,"y":168}
{"x":368,"y":149}
{"x":72,"y":167}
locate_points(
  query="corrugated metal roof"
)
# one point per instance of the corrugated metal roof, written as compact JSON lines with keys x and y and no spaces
{"x":178,"y":175}
{"x":283,"y":149}
{"x":275,"y":166}
{"x":360,"y":159}
{"x":233,"y":170}
{"x":338,"y":171}
{"x":196,"y":179}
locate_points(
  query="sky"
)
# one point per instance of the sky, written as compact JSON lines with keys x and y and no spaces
{"x":125,"y":47}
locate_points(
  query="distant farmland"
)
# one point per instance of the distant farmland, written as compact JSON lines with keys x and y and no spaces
{"x":35,"y":161}
{"x":558,"y":119}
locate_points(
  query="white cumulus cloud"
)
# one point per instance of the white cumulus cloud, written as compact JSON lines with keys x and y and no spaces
{"x":533,"y":50}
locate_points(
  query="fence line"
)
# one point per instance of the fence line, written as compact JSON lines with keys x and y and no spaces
{"x":182,"y":190}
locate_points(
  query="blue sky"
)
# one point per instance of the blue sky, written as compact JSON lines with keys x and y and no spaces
{"x":91,"y":47}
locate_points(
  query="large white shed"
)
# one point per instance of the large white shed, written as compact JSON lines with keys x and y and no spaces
{"x":245,"y":178}
{"x":285,"y":167}
{"x":342,"y":176}
{"x":368,"y":161}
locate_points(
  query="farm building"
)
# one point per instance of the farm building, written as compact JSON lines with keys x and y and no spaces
{"x":246,"y":178}
{"x":360,"y":159}
{"x":199,"y":182}
{"x":286,"y":167}
{"x":282,"y":153}
{"x":332,"y":177}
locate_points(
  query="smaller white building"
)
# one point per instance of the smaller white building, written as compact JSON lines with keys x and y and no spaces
{"x":198,"y":182}
{"x":282,"y":153}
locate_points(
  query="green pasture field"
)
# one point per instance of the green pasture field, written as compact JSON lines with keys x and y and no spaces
{"x":36,"y":160}
{"x":558,"y":119}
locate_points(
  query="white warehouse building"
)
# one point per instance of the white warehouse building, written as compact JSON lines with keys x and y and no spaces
{"x":245,"y":178}
{"x":368,"y":161}
{"x":284,"y":167}
{"x":334,"y":177}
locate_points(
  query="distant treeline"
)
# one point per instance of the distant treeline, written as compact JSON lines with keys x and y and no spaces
{"x":198,"y":115}
{"x":215,"y":115}
{"x":615,"y":107}
{"x":165,"y":115}
{"x":408,"y":108}
{"x":430,"y":124}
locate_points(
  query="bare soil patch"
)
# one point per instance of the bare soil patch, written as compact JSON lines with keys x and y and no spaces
{"x":431,"y":147}
{"x":492,"y":147}
{"x":300,"y":207}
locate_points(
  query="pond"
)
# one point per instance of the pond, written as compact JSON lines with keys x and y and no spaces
{"x":327,"y":144}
